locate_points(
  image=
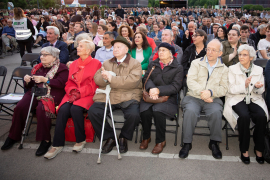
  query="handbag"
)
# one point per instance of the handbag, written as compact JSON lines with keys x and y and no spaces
{"x":88,"y":128}
{"x":146,"y":96}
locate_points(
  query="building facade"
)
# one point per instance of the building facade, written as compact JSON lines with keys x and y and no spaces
{"x":113,"y":3}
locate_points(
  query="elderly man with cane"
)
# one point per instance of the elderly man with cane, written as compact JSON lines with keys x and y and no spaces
{"x":123,"y":74}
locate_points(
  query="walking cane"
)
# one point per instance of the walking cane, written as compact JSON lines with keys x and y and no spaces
{"x":34,"y":91}
{"x":107,"y":92}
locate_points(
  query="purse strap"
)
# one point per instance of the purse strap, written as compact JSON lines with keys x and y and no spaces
{"x":149,"y":76}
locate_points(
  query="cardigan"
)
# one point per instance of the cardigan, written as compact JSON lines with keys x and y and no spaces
{"x":146,"y":54}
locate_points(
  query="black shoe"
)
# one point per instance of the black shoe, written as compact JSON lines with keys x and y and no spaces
{"x":43,"y":148}
{"x":216,"y":153}
{"x":108,"y":146}
{"x":123,"y":147}
{"x":185,"y":149}
{"x":8,"y":144}
{"x":260,"y":160}
{"x":245,"y":160}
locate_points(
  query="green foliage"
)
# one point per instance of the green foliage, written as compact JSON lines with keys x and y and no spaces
{"x":254,"y":7}
{"x":205,"y":6}
{"x":47,"y":3}
{"x":257,"y":7}
{"x":267,"y":9}
{"x":19,"y":3}
{"x":156,"y":3}
{"x":149,"y":5}
{"x":248,"y":6}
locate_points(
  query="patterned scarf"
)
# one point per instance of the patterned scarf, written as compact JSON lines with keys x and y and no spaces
{"x":47,"y":100}
{"x":248,"y":71}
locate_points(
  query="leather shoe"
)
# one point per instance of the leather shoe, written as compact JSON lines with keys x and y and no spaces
{"x":245,"y":160}
{"x":159,"y":147}
{"x":260,"y":160}
{"x":8,"y":144}
{"x":185,"y":150}
{"x":123,"y":147}
{"x":144,"y":144}
{"x":43,"y":148}
{"x":216,"y":153}
{"x":108,"y":146}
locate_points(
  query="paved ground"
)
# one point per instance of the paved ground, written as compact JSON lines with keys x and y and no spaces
{"x":136,"y":164}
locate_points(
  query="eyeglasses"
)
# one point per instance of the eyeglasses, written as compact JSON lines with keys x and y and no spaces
{"x":211,"y":50}
{"x":195,"y":35}
{"x":44,"y":55}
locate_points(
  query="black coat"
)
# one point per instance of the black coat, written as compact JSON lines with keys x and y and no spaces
{"x":256,"y":37}
{"x":189,"y":55}
{"x":205,"y":29}
{"x":169,"y":83}
{"x":186,"y":42}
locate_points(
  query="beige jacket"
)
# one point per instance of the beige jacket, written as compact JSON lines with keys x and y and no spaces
{"x":197,"y":79}
{"x":237,"y":91}
{"x":126,"y":85}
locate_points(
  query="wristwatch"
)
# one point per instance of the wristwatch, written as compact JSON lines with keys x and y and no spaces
{"x":48,"y":82}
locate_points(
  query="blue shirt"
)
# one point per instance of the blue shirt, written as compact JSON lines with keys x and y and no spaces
{"x":9,"y":30}
{"x":210,"y":69}
{"x":103,"y":54}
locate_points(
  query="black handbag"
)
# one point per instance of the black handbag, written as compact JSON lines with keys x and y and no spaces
{"x":39,"y":91}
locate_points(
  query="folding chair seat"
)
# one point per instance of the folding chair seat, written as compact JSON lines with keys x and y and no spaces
{"x":30,"y":57}
{"x":6,"y":103}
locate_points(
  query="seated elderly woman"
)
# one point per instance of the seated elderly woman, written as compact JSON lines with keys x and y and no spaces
{"x":80,"y":89}
{"x":140,"y":49}
{"x":244,"y":101}
{"x":50,"y":74}
{"x":165,"y":80}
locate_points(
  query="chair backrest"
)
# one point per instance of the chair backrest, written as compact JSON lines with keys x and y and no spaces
{"x":3,"y":72}
{"x":29,"y":57}
{"x":18,"y":74}
{"x":261,"y":62}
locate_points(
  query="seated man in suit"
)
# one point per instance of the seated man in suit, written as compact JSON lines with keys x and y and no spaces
{"x":52,"y":36}
{"x":126,"y":93}
{"x":207,"y":81}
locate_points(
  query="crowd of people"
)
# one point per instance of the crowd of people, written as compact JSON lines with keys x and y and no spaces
{"x":146,"y":56}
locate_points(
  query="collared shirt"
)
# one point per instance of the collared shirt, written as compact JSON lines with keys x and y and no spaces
{"x":104,"y":54}
{"x":162,"y":65}
{"x":122,"y":60}
{"x":210,"y":69}
{"x":54,"y":43}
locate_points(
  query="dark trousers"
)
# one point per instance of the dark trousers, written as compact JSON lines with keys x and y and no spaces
{"x":66,"y":111}
{"x":257,"y":114}
{"x":20,"y":115}
{"x":160,"y":123}
{"x":25,"y":43}
{"x":131,"y":115}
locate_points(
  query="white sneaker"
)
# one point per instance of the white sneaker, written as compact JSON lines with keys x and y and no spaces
{"x":49,"y":155}
{"x":79,"y":148}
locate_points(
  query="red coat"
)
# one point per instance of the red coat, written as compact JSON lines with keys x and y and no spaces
{"x":151,"y":43}
{"x":87,"y":86}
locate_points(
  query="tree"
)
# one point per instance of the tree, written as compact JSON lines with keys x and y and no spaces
{"x":47,"y":3}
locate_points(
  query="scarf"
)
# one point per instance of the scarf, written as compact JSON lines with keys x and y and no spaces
{"x":248,"y":71}
{"x":79,"y":75}
{"x":47,"y":100}
{"x":98,"y":38}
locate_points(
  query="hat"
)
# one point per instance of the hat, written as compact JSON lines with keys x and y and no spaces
{"x":168,"y":46}
{"x":121,"y":39}
{"x":76,"y":18}
{"x":217,"y":24}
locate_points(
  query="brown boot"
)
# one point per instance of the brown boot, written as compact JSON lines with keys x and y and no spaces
{"x":159,"y":147}
{"x":144,"y":144}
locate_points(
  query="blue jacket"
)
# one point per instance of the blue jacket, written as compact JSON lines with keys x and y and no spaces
{"x":9,"y":30}
{"x":62,"y":46}
{"x":153,"y":34}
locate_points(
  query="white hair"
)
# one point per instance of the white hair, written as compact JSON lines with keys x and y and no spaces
{"x":80,"y":37}
{"x":236,"y":26}
{"x":262,"y":26}
{"x":56,"y":30}
{"x":54,"y":17}
{"x":177,"y":29}
{"x":89,"y":45}
{"x":195,"y":24}
{"x":171,"y":33}
{"x":250,"y":49}
{"x":217,"y":41}
{"x":103,"y":21}
{"x":52,"y":51}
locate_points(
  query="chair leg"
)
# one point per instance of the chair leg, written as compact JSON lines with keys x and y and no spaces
{"x":176,"y":132}
{"x":136,"y":129}
{"x":227,"y":138}
{"x":94,"y":140}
